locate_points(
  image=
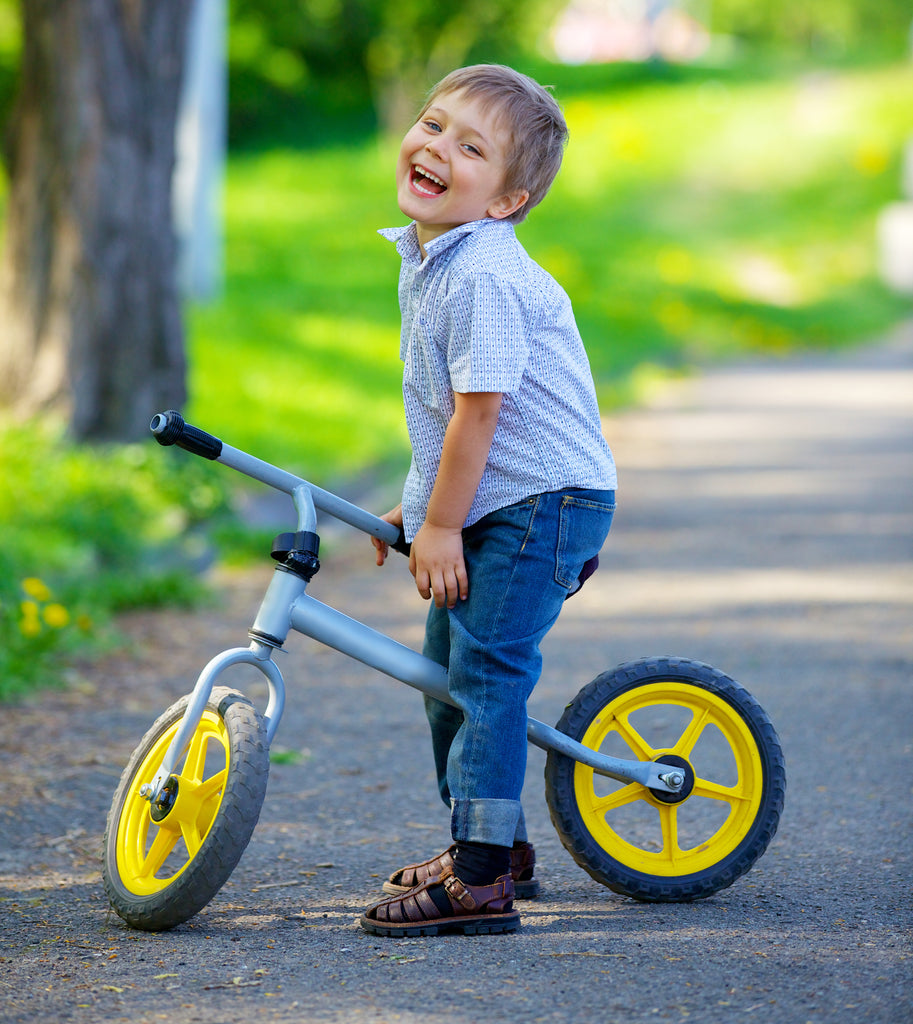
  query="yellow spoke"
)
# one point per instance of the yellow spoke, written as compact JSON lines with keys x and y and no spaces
{"x":668,"y":820}
{"x":639,"y":746}
{"x":191,"y":835}
{"x":161,"y":846}
{"x":211,"y":786}
{"x":690,"y":736}
{"x":619,"y":798}
{"x":714,"y":791}
{"x":195,"y":762}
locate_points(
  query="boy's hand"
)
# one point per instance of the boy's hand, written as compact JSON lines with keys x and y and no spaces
{"x":394,"y":516}
{"x":437,"y":551}
{"x":437,"y":564}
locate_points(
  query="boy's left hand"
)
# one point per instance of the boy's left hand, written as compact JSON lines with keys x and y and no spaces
{"x":381,"y":548}
{"x":437,"y":564}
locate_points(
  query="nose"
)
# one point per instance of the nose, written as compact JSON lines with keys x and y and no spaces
{"x":436,"y":147}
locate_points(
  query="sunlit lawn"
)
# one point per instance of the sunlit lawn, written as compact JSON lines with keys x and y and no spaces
{"x":690,"y":222}
{"x":299,"y":360}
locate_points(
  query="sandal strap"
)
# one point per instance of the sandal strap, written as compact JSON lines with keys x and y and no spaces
{"x":415,"y":874}
{"x":522,"y":862}
{"x":457,"y":891}
{"x":522,"y":866}
{"x":417,"y":905}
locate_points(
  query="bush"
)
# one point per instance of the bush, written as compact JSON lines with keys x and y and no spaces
{"x":86,"y":532}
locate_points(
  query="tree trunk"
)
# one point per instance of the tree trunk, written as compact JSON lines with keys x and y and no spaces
{"x":90,"y":320}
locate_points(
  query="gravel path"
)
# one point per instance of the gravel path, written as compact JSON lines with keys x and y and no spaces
{"x":765,"y":526}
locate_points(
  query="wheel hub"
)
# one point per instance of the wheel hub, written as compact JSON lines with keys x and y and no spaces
{"x":163,"y":804}
{"x":674,"y":761}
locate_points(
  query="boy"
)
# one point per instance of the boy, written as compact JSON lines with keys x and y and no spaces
{"x":511,"y":489}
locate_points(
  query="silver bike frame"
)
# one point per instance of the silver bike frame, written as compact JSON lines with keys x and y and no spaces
{"x":286,"y":606}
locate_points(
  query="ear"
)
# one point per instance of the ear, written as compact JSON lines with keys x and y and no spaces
{"x":507,"y":204}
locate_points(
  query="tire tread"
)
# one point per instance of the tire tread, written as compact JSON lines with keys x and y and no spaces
{"x":229,"y":834}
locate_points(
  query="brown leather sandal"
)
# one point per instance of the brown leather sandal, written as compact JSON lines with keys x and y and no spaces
{"x":474,"y":910}
{"x":522,"y":867}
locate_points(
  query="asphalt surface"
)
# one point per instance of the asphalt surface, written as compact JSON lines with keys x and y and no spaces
{"x":765,"y":526}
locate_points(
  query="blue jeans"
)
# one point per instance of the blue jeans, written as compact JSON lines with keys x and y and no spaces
{"x":522,"y":563}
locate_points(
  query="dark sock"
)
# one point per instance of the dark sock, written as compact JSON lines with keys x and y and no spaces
{"x":473,"y":864}
{"x":441,"y":900}
{"x":480,"y":863}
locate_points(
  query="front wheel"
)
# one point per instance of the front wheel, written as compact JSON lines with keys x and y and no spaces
{"x":661,"y":847}
{"x":163,"y":864}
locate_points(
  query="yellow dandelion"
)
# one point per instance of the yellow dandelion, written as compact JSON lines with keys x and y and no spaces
{"x":29,"y":625}
{"x":36,"y":588}
{"x":29,"y":610}
{"x":56,"y":616}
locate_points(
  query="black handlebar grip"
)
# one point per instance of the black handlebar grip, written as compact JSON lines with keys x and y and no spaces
{"x":401,"y":545}
{"x":169,"y":428}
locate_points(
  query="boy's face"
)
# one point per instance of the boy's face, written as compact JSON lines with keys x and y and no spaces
{"x":451,"y":167}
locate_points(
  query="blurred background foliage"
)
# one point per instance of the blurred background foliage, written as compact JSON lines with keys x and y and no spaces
{"x":309,"y":72}
{"x":712,"y":209}
{"x":699,"y":215}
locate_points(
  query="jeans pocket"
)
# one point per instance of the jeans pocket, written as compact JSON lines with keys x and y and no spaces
{"x":583,"y":525}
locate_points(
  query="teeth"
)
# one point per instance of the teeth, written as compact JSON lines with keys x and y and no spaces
{"x":432,"y":177}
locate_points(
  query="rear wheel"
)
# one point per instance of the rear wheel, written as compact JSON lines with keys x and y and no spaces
{"x":163,"y":863}
{"x":655,"y":846}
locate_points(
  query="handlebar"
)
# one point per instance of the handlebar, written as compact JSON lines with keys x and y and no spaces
{"x":169,"y":428}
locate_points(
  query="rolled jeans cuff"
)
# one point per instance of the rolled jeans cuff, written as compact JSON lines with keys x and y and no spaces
{"x":485,"y":821}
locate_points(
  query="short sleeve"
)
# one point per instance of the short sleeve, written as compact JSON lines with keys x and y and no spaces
{"x":487,"y":347}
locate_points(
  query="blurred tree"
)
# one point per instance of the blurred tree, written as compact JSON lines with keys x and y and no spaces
{"x":91,"y":319}
{"x":417,"y":42}
{"x":313,"y":70}
{"x":347,"y":55}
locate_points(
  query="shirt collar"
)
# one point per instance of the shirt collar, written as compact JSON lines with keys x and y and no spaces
{"x":406,"y":239}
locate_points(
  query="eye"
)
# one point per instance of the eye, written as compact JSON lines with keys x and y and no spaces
{"x":432,"y":126}
{"x":470,"y":148}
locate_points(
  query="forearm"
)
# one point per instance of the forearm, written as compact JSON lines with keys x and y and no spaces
{"x":463,"y":459}
{"x":437,"y":550}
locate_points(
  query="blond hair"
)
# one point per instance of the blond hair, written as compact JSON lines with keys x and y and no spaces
{"x":534,"y":122}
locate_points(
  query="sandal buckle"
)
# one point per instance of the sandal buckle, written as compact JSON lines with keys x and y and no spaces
{"x":458,"y":891}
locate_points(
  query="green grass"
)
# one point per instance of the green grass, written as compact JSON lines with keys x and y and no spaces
{"x":693,"y":220}
{"x":87,"y":532}
{"x":299,"y":362}
{"x":698,"y":217}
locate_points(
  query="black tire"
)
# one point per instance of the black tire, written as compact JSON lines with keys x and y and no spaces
{"x":220,"y":787}
{"x":654,"y":848}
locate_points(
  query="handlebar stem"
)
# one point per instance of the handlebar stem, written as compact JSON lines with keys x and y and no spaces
{"x":304,"y":503}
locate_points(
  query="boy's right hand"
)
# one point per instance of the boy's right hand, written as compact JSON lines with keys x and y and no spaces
{"x":394,"y":516}
{"x":436,"y":562}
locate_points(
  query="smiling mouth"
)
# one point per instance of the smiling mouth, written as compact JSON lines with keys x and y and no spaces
{"x":425,"y":182}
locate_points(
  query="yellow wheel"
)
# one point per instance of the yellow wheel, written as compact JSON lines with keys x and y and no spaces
{"x":668,"y":847}
{"x":165,"y":861}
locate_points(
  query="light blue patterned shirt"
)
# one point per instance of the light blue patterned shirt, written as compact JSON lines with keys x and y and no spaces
{"x":479,"y":315}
